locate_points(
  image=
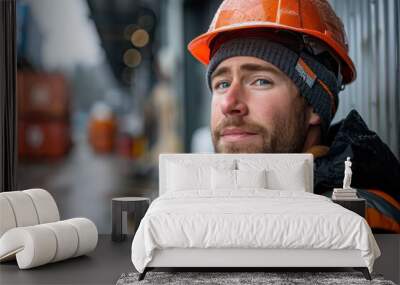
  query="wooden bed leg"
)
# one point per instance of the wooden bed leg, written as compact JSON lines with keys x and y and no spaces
{"x":364,"y":271}
{"x":143,"y":274}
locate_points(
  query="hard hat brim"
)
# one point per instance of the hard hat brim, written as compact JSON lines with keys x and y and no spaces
{"x":200,"y":46}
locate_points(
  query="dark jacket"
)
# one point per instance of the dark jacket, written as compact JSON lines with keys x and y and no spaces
{"x":376,"y":171}
{"x":373,"y":164}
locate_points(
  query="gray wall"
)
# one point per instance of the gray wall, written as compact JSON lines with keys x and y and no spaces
{"x":373,"y":33}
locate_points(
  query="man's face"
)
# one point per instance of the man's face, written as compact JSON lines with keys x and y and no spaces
{"x":256,"y":108}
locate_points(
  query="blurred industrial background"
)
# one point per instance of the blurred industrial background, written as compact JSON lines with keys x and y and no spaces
{"x":105,"y":86}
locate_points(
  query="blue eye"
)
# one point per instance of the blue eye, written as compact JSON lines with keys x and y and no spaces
{"x":222,"y":85}
{"x":262,"y":82}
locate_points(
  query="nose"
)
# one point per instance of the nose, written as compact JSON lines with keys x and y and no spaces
{"x":232,"y":103}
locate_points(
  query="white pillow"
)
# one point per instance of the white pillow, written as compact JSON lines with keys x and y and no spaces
{"x":187,"y":177}
{"x":226,"y":179}
{"x":193,"y":174}
{"x":223,"y":179}
{"x":281,"y":174}
{"x":293,"y":178}
{"x":251,"y":178}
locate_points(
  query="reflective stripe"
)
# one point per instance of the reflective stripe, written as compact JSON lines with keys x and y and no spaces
{"x":309,"y":77}
{"x":305,"y":72}
{"x":326,"y":88}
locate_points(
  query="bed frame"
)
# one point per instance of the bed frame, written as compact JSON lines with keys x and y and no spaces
{"x":260,"y":259}
{"x":249,"y":259}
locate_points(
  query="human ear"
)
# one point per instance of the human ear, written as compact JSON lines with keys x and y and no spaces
{"x":313,"y":118}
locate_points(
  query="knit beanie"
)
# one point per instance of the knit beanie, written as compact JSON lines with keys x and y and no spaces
{"x":315,"y":82}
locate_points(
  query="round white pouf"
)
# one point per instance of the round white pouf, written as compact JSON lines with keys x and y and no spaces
{"x":6,"y":215}
{"x":33,"y":246}
{"x":88,"y":235}
{"x":40,"y":244}
{"x":67,"y":239}
{"x":46,"y":207}
{"x":23,"y":208}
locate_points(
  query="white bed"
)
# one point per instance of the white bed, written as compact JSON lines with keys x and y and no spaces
{"x":241,"y":210}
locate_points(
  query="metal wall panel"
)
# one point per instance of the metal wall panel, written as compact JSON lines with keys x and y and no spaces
{"x":373,"y":33}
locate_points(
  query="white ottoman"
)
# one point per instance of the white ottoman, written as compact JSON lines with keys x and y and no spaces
{"x":31,"y":232}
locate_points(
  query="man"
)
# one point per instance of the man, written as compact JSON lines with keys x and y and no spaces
{"x":275,"y":69}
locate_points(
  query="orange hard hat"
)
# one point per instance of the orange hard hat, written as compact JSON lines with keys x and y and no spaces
{"x":312,"y":18}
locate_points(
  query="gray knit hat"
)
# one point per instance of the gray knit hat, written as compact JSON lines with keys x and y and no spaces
{"x":316,"y":83}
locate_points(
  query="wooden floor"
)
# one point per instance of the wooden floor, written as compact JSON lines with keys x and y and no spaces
{"x":103,"y":266}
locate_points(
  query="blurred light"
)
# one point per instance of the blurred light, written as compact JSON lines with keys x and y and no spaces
{"x":132,"y":57}
{"x":140,"y":38}
{"x":128,"y":31}
{"x":146,"y":22}
{"x":126,"y":75}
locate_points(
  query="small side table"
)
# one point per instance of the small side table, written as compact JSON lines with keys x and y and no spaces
{"x":123,"y":206}
{"x":356,"y":205}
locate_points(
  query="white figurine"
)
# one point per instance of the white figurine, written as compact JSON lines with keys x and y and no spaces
{"x":347,"y":174}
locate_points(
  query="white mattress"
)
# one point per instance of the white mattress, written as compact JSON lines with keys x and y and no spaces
{"x":250,"y":219}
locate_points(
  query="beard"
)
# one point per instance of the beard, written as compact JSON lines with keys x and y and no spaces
{"x":287,"y":135}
